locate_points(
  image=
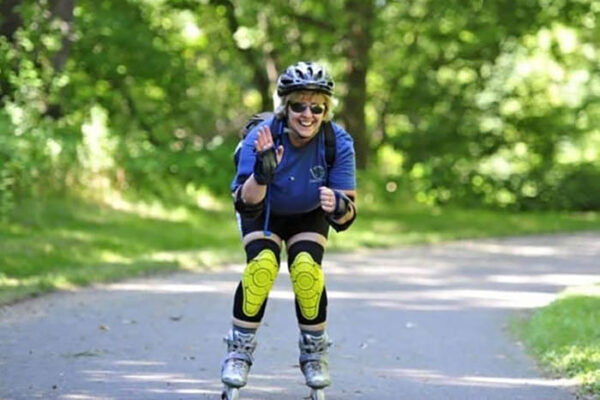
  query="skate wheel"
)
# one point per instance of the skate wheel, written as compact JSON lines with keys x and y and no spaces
{"x":230,"y":394}
{"x":317,"y":394}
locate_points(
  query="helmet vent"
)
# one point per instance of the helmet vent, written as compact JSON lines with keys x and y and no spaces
{"x":305,"y":76}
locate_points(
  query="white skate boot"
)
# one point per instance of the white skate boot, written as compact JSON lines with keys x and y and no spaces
{"x":237,"y":363}
{"x":313,"y":363}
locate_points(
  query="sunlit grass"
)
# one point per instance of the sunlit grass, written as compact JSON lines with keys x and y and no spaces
{"x":63,"y":244}
{"x":565,"y":336}
{"x":386,"y":225}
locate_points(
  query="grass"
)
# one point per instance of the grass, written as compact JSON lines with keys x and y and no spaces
{"x":411,"y":224}
{"x":65,"y":243}
{"x":60,"y":244}
{"x":565,"y":336}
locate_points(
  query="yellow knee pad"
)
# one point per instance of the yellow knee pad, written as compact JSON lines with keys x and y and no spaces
{"x":257,"y":281}
{"x":308,"y":281}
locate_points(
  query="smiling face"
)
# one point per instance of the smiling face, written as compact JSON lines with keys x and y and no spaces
{"x":305,"y":123}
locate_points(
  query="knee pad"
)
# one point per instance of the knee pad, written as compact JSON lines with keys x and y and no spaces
{"x":308,"y":281}
{"x":257,"y":281}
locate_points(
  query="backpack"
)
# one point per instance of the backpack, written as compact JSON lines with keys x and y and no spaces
{"x":275,"y":127}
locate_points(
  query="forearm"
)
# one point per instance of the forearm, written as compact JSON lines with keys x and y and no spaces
{"x":252,"y":192}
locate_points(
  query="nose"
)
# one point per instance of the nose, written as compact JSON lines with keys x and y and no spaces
{"x":307,"y":112}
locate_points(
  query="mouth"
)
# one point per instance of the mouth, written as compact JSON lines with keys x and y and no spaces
{"x":306,"y":124}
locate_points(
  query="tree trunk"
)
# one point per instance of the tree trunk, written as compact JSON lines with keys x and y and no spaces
{"x":261,"y":80}
{"x":360,"y":18}
{"x":10,"y":20}
{"x":254,"y":58}
{"x":63,"y":10}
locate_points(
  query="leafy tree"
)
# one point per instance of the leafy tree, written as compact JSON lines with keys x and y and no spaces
{"x":476,"y":102}
{"x":467,"y":123}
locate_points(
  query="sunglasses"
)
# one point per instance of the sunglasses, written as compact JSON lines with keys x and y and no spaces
{"x":299,"y":107}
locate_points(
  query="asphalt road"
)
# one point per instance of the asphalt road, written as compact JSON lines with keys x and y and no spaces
{"x":426,"y":322}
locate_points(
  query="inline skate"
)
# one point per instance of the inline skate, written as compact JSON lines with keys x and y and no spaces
{"x":314,"y":364}
{"x":237,"y":362}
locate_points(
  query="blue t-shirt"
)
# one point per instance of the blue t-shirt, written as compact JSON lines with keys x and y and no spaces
{"x":302,"y":170}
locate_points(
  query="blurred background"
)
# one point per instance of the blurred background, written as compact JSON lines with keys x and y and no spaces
{"x":119,"y":119}
{"x":484,"y":103}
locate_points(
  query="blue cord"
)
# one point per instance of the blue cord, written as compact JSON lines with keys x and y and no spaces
{"x":266,"y":230}
{"x":276,"y":143}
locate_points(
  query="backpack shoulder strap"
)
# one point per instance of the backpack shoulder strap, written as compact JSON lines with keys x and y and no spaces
{"x":275,"y":127}
{"x":253,"y":121}
{"x":330,"y":144}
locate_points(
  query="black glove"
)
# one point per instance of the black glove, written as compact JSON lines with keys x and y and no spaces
{"x":264,"y":166}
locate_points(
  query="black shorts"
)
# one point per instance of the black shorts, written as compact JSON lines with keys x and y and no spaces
{"x":286,"y":226}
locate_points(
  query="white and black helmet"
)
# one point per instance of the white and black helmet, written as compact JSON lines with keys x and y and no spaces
{"x":305,"y":76}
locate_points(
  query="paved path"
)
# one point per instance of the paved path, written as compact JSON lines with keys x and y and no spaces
{"x":427,"y":322}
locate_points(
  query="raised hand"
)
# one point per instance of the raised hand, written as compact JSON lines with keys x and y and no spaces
{"x":267,"y":157}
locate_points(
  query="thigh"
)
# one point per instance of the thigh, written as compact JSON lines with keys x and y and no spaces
{"x":312,"y":224}
{"x":286,"y":227}
{"x":254,"y":229}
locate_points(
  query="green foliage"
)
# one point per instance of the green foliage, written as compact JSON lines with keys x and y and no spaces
{"x":473,"y":103}
{"x":566,"y":336}
{"x":7,"y":201}
{"x":34,"y":147}
{"x":579,"y":188}
{"x":484,"y":97}
{"x":131,"y":108}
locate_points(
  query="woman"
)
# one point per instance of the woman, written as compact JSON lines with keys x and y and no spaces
{"x":286,"y":192}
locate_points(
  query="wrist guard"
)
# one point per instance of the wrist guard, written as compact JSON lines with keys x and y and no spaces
{"x":343,"y":204}
{"x":264,"y":166}
{"x":251,"y":211}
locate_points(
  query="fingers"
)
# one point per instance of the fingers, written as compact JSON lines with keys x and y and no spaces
{"x":264,"y":140}
{"x":327,"y":198}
